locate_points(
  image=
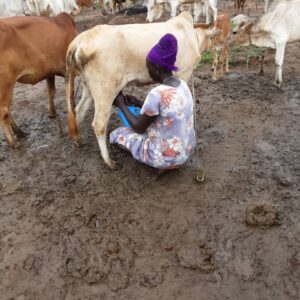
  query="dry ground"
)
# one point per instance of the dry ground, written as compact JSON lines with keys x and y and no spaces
{"x":72,"y":229}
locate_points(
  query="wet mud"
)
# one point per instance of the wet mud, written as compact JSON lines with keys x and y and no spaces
{"x":70,"y":228}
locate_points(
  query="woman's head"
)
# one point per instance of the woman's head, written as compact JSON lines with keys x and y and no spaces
{"x":162,"y":57}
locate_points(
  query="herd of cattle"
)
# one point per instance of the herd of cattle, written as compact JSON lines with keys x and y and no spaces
{"x":28,"y":57}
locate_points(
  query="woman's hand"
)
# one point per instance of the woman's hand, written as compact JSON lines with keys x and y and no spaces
{"x":120,"y":100}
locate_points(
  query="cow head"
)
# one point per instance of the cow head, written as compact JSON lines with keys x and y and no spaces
{"x":240,"y":28}
{"x":155,"y":9}
{"x":186,"y":7}
{"x":241,"y":34}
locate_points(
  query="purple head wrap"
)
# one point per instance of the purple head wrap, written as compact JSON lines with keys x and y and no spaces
{"x":164,"y":52}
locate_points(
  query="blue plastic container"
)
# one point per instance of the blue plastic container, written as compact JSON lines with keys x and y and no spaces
{"x":134,"y":110}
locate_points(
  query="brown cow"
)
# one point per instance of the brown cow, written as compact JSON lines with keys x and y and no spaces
{"x":32,"y":49}
{"x":239,"y":5}
{"x":85,"y":3}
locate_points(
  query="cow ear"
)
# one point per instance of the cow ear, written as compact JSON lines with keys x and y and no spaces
{"x":211,"y":33}
{"x":249,"y":25}
{"x":246,"y":25}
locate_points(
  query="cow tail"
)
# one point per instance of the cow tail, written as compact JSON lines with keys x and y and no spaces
{"x":70,"y":76}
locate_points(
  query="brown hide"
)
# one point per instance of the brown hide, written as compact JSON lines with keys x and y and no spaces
{"x":219,"y":43}
{"x":85,"y":3}
{"x":239,"y":5}
{"x":32,"y":49}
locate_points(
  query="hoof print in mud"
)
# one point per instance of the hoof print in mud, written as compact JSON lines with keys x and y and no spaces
{"x":95,"y":276}
{"x":263,"y":214}
{"x":118,"y":277}
{"x":32,"y":263}
{"x":197,"y":257}
{"x":150,"y":278}
{"x":283,"y":177}
{"x":72,"y":268}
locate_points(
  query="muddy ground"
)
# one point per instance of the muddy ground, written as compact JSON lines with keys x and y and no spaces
{"x":72,"y":229}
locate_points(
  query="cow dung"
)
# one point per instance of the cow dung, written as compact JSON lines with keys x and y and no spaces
{"x":262,"y":214}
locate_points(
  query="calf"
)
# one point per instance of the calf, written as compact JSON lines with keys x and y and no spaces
{"x":220,"y":46}
{"x":106,"y":69}
{"x":32,"y":49}
{"x":277,"y":27}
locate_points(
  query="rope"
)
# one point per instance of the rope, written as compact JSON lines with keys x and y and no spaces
{"x":200,"y":174}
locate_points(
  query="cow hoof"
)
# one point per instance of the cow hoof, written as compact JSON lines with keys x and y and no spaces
{"x":78,"y":144}
{"x":21,"y":134}
{"x":16,"y":145}
{"x":213,"y":80}
{"x":52,"y":115}
{"x":112,"y":165}
{"x":278,"y":85}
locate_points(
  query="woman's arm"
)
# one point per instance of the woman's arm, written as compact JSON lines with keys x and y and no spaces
{"x":140,"y":123}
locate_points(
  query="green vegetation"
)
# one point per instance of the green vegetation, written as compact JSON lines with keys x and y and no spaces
{"x":97,"y":4}
{"x":206,"y":58}
{"x":236,"y":54}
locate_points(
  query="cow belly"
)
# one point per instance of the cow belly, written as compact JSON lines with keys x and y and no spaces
{"x":33,"y":77}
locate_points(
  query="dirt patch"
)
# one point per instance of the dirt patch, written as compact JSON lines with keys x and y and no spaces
{"x":72,"y":229}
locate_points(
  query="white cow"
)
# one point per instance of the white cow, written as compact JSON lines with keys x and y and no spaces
{"x":241,"y":18}
{"x":51,"y":7}
{"x":36,"y":7}
{"x":12,"y":8}
{"x":106,"y":69}
{"x":277,"y":27}
{"x":156,"y":7}
{"x":268,"y":2}
{"x":203,"y":7}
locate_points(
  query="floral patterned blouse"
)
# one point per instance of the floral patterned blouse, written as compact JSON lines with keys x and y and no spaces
{"x":170,"y":140}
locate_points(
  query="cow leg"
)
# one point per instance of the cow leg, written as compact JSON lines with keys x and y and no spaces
{"x":51,"y":110}
{"x":83,"y":105}
{"x":197,"y":11}
{"x":16,"y":130}
{"x":174,"y":5}
{"x":6,"y":92}
{"x":207,"y":16}
{"x":279,"y":57}
{"x":266,"y":5}
{"x":51,"y":94}
{"x":114,"y":5}
{"x":222,"y":61}
{"x":103,"y":99}
{"x":102,"y":114}
{"x":214,"y":65}
{"x":227,"y":55}
{"x":262,"y":59}
{"x":215,"y":12}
